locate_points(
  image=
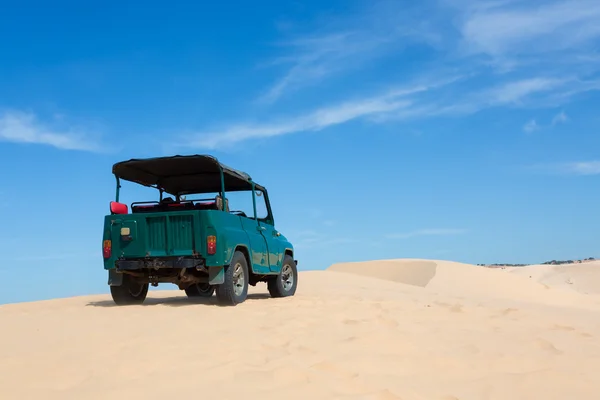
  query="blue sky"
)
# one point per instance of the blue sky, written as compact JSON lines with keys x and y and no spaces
{"x":439,"y":129}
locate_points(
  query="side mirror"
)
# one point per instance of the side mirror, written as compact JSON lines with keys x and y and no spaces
{"x":118,"y":208}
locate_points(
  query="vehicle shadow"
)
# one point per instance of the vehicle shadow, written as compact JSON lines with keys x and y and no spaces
{"x":179,"y":301}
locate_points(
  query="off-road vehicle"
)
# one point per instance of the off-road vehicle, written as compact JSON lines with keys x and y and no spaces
{"x":195,"y":242}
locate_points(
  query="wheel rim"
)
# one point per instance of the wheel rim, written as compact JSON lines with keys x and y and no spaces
{"x":287,"y":277}
{"x":238,"y":279}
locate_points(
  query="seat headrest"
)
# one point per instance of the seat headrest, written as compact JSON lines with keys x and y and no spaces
{"x":219,"y":203}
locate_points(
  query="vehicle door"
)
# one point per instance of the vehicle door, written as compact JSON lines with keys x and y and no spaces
{"x":270,"y":234}
{"x":240,"y":203}
{"x":258,"y":245}
{"x":274,"y":246}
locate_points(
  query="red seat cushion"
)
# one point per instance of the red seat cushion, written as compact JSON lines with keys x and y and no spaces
{"x":145,"y":208}
{"x":183,"y":206}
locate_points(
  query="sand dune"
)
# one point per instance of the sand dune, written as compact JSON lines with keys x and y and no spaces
{"x":470,"y":281}
{"x":397,"y":329}
{"x":582,"y":278}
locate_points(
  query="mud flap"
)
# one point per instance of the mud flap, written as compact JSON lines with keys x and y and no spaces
{"x":216,"y":275}
{"x":114,"y":278}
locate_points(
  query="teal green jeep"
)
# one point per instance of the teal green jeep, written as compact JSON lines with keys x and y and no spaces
{"x":197,"y":243}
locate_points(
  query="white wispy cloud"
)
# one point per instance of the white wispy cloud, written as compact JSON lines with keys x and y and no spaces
{"x":414,"y":101}
{"x":528,"y":28}
{"x":547,"y":45}
{"x":347,"y":43}
{"x":427,"y":232}
{"x":313,"y":59}
{"x":581,"y":168}
{"x":514,"y":92}
{"x":528,"y":92}
{"x":531,"y":126}
{"x":315,"y":121}
{"x":319,"y":119}
{"x":22,"y":127}
{"x":512,"y":32}
{"x":560,"y":118}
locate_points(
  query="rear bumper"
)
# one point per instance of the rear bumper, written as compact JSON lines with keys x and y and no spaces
{"x":158,"y":263}
{"x":215,"y":276}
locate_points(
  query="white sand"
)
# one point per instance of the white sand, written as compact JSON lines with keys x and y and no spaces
{"x":406,"y":329}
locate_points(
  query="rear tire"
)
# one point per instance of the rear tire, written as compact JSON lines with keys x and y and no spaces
{"x":284,"y":284}
{"x":234,"y":289}
{"x":200,"y":290}
{"x":130,"y":292}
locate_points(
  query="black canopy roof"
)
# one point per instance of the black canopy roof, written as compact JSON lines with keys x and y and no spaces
{"x":183,"y":174}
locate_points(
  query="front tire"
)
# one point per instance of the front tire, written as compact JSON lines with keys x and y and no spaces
{"x":200,"y":290}
{"x":130,"y":292}
{"x":284,"y":284}
{"x":234,"y":289}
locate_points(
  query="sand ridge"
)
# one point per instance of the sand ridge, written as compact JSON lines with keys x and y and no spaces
{"x":404,"y":329}
{"x":582,"y":278}
{"x":538,"y":283}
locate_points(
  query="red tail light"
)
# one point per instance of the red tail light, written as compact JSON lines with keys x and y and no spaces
{"x":211,"y":245}
{"x":107,"y":248}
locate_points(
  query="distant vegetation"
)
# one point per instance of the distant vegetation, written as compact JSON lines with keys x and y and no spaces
{"x":553,"y":262}
{"x":558,"y":262}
